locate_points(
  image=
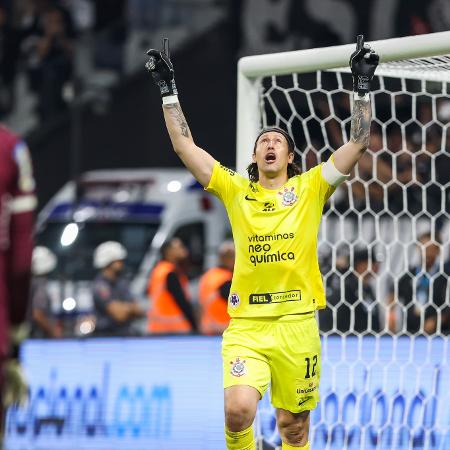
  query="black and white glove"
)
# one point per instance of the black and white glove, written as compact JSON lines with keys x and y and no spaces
{"x":363,"y":63}
{"x":161,"y":68}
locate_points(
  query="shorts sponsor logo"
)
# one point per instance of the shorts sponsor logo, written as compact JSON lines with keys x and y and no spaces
{"x":250,"y":199}
{"x":275,"y":297}
{"x":288,"y":196}
{"x":300,"y":403}
{"x":234,"y":300}
{"x":238,"y":368}
{"x":307,"y":389}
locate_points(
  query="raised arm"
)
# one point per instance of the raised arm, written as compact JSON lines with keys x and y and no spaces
{"x":198,"y":161}
{"x":363,"y":63}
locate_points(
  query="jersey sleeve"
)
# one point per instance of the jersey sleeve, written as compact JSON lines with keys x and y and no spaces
{"x":225,"y":183}
{"x":318,"y":183}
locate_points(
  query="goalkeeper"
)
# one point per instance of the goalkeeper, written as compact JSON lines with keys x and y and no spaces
{"x":276,"y":287}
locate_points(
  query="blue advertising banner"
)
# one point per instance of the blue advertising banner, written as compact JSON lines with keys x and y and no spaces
{"x":378,"y":393}
{"x":166,"y":393}
{"x":121,"y":394}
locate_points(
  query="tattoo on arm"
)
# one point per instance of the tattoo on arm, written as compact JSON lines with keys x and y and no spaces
{"x":176,"y":112}
{"x":360,"y":125}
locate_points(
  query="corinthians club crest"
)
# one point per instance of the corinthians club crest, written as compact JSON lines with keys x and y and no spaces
{"x":238,"y":367}
{"x":288,"y":196}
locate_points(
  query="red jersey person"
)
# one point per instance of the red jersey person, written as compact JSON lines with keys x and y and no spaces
{"x":17,"y":205}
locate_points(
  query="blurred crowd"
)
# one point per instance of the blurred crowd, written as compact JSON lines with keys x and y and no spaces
{"x":405,"y":170}
{"x":56,"y":44}
{"x":170,"y":307}
{"x":402,"y":176}
{"x":416,"y":302}
{"x":38,"y":39}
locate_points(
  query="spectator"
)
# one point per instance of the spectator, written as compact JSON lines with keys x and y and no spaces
{"x":50,"y":49}
{"x":359,"y":311}
{"x":171,"y":310}
{"x":214,"y":289}
{"x":328,"y":316}
{"x":17,"y":204}
{"x":145,"y":14}
{"x":43,"y":324}
{"x":110,"y":34}
{"x":115,"y":307}
{"x":9,"y":55}
{"x":422,"y":292}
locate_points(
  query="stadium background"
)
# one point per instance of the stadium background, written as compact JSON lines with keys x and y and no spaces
{"x":115,"y":122}
{"x":120,"y":126}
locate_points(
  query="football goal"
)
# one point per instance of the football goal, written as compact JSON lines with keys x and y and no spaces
{"x":384,"y":237}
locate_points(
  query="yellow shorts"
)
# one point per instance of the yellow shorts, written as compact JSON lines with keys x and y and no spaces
{"x":283,"y":351}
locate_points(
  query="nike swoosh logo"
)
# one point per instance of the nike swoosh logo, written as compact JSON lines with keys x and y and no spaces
{"x":250,"y":198}
{"x":304,"y":401}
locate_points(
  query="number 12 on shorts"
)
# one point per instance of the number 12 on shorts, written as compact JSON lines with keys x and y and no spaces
{"x":309,"y":373}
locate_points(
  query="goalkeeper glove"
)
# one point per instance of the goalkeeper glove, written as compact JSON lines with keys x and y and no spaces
{"x":161,"y":68}
{"x":363,"y":63}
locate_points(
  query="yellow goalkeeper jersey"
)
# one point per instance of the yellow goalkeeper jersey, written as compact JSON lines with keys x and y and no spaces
{"x":275,"y":233}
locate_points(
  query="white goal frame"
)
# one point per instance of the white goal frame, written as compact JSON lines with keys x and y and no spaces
{"x":252,"y":68}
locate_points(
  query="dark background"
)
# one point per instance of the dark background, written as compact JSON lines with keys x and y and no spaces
{"x":130,"y":131}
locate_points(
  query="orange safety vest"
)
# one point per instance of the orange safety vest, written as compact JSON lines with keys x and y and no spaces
{"x":165,"y":316}
{"x":215,"y":317}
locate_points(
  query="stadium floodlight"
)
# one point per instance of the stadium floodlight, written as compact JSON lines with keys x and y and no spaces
{"x":382,"y":377}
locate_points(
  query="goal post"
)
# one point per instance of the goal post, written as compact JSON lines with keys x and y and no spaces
{"x":382,"y":384}
{"x":252,"y":68}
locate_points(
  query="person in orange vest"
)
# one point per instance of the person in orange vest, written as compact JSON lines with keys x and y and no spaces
{"x":171,"y":309}
{"x":214,"y":289}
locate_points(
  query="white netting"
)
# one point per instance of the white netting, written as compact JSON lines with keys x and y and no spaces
{"x":383,"y":250}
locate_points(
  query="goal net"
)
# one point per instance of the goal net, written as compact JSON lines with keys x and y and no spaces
{"x":384,"y":237}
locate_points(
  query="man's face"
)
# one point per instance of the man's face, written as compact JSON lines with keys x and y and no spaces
{"x":117,"y":266}
{"x":178,"y":250}
{"x":272,"y":154}
{"x":228,"y":259}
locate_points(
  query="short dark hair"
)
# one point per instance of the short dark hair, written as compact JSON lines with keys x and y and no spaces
{"x":373,"y":254}
{"x":360,"y":255}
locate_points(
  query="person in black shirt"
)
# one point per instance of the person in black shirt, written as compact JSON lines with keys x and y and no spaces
{"x":422,"y":291}
{"x":43,"y":322}
{"x":115,"y":307}
{"x":356,"y":307}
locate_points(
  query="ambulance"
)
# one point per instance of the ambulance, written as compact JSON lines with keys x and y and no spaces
{"x":141,"y":209}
